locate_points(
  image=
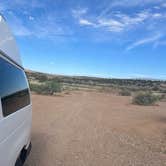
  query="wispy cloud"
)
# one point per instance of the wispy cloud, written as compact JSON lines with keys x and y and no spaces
{"x":109,"y":6}
{"x":160,"y":43}
{"x":43,"y":28}
{"x":111,"y":24}
{"x":107,"y":20}
{"x":86,"y":22}
{"x":129,"y":20}
{"x":116,"y":22}
{"x":77,"y":13}
{"x":25,"y":24}
{"x":129,"y":3}
{"x":144,"y":41}
{"x":135,"y":19}
{"x":52,"y":63}
{"x":164,"y":5}
{"x":121,"y":22}
{"x":31,"y":18}
{"x":18,"y":27}
{"x":21,"y":4}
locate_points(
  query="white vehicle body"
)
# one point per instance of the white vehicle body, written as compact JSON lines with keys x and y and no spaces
{"x":15,"y":103}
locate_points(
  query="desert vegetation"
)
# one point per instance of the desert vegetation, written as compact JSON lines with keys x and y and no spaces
{"x":125,"y":92}
{"x":143,"y":92}
{"x":46,"y":88}
{"x":145,"y":98}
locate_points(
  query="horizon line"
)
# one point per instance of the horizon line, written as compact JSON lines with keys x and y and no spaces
{"x":95,"y":76}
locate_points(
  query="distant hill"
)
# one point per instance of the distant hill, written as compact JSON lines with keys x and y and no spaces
{"x":77,"y":82}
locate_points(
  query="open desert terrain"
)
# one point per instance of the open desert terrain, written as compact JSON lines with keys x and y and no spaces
{"x":96,"y":129}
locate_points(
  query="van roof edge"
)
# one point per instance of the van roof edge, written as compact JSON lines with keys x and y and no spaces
{"x":2,"y":16}
{"x":10,"y":59}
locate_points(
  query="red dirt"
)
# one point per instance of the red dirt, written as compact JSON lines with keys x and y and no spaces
{"x":96,"y":129}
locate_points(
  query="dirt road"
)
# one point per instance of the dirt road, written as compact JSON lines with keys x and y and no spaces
{"x":96,"y":129}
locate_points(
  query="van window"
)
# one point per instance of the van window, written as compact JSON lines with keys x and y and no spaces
{"x":14,"y":91}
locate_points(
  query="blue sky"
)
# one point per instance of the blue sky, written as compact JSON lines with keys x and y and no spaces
{"x":108,"y":38}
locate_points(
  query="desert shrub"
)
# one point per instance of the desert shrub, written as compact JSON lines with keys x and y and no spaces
{"x":48,"y":88}
{"x":156,"y":88}
{"x":37,"y":76}
{"x":36,"y":88}
{"x":52,"y":87}
{"x":162,"y":97}
{"x":41,"y":77}
{"x":125,"y":93}
{"x":145,"y":98}
{"x":164,"y":91}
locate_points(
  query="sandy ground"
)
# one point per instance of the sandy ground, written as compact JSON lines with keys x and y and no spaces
{"x":96,"y":129}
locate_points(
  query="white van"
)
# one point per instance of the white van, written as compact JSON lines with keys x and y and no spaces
{"x":15,"y":103}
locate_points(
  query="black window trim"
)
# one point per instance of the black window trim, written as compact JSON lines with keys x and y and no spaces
{"x":5,"y":111}
{"x":6,"y":58}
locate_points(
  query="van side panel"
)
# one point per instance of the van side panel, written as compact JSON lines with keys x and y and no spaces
{"x":16,"y":130}
{"x":16,"y":112}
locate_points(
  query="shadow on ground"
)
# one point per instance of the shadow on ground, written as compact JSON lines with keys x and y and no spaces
{"x":38,"y":149}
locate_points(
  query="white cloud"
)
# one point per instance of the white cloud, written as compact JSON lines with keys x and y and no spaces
{"x":85,"y":22}
{"x":31,"y":18}
{"x":144,"y":41}
{"x":18,"y":27}
{"x":48,"y":24}
{"x":117,"y":21}
{"x":111,"y":24}
{"x":21,"y":31}
{"x":3,"y":7}
{"x":157,"y":7}
{"x":21,"y":4}
{"x":109,"y":7}
{"x":159,"y":43}
{"x":129,"y":3}
{"x":44,"y":27}
{"x":157,"y":15}
{"x":133,"y":20}
{"x":164,"y":5}
{"x":77,"y":13}
{"x":52,"y":63}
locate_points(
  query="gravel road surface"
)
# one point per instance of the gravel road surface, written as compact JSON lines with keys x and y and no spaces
{"x":96,"y":129}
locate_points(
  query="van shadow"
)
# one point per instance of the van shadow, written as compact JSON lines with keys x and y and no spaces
{"x":38,"y":149}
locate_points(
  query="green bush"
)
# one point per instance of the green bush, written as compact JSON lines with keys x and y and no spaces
{"x":48,"y":88}
{"x":41,"y":77}
{"x":145,"y":98}
{"x":156,"y":88}
{"x":162,"y":97}
{"x":125,"y":93}
{"x":52,"y":87}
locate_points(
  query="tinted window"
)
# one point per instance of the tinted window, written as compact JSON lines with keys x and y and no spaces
{"x":14,"y":91}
